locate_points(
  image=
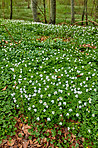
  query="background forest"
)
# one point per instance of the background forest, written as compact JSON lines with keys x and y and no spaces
{"x":22,"y":10}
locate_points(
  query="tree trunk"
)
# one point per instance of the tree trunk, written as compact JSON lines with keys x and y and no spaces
{"x":34,"y":9}
{"x":28,"y":4}
{"x":72,"y":12}
{"x":52,"y":11}
{"x":11,"y":9}
{"x":44,"y":3}
{"x":85,"y":12}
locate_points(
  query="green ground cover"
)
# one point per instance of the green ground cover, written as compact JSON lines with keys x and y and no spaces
{"x":49,"y":76}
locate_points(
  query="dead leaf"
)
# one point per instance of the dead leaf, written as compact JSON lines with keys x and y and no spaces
{"x":31,"y":142}
{"x":20,"y":124}
{"x":44,"y":140}
{"x":59,"y":77}
{"x":25,"y":129}
{"x":21,"y":133}
{"x":25,"y":144}
{"x":6,"y":42}
{"x":11,"y":143}
{"x":38,"y":145}
{"x":48,"y":130}
{"x":87,"y":53}
{"x":3,"y":142}
{"x":19,"y":145}
{"x":5,"y":88}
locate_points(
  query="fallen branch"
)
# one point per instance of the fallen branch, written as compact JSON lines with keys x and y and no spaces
{"x":93,"y":22}
{"x":9,"y":34}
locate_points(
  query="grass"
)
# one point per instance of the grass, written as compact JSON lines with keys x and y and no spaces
{"x":50,"y":77}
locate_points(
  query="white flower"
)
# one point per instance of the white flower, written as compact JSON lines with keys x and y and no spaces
{"x":52,"y":101}
{"x":67,"y":114}
{"x":29,"y":108}
{"x":35,"y":110}
{"x":38,"y":118}
{"x":60,"y":123}
{"x":85,"y":103}
{"x":40,"y":101}
{"x":93,"y":74}
{"x":79,"y":102}
{"x":60,"y":108}
{"x":64,"y":103}
{"x":76,"y":96}
{"x":45,"y":103}
{"x":89,"y":130}
{"x":44,"y":110}
{"x":53,"y":112}
{"x":89,"y":99}
{"x":49,"y":95}
{"x":95,"y":89}
{"x":80,"y":106}
{"x":41,"y":95}
{"x":46,"y":106}
{"x":41,"y":75}
{"x":68,"y":128}
{"x":12,"y":69}
{"x":55,"y":92}
{"x":70,"y":110}
{"x":93,"y":115}
{"x":48,"y":119}
{"x":14,"y":100}
{"x":33,"y":106}
{"x":59,"y":104}
{"x":60,"y":98}
{"x":77,"y":115}
{"x":86,"y":78}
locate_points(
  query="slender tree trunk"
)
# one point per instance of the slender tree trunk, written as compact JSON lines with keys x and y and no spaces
{"x":34,"y":9}
{"x":72,"y":12}
{"x":52,"y":11}
{"x":28,"y":4}
{"x":11,"y":9}
{"x":44,"y":3}
{"x":85,"y":12}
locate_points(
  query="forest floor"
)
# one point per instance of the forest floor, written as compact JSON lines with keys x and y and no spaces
{"x":48,"y":85}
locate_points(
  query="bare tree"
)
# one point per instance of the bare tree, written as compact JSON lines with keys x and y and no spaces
{"x":72,"y":12}
{"x":34,"y":9}
{"x":11,"y":9}
{"x":52,"y":11}
{"x":85,"y":12}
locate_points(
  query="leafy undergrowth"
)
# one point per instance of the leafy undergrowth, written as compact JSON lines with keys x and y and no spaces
{"x":48,"y":83}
